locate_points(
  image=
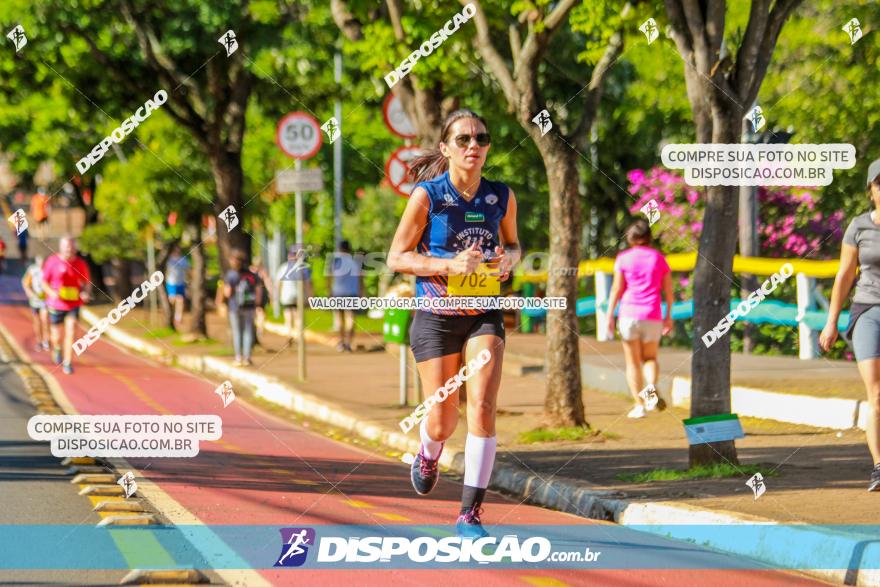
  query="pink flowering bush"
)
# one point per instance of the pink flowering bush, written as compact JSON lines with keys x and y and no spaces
{"x":680,"y":206}
{"x":789,"y":224}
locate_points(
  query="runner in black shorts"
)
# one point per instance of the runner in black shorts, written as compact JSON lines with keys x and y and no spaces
{"x":458,"y":224}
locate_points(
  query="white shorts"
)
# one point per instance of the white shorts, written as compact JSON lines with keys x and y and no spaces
{"x":640,"y":329}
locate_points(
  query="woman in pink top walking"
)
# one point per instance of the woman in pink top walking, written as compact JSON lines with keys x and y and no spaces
{"x":640,"y":274}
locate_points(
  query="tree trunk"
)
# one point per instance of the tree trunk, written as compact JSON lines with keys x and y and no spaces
{"x":96,"y":271}
{"x":563,"y":403}
{"x":198,"y":324}
{"x":713,"y":277}
{"x":228,"y":176}
{"x":122,"y":273}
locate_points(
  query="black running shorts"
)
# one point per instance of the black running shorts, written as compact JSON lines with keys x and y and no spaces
{"x":58,"y":316}
{"x":433,"y":335}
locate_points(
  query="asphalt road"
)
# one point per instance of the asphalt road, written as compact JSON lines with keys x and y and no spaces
{"x":34,"y":488}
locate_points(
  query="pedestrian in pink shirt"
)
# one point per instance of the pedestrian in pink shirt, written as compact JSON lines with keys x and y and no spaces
{"x":640,"y":275}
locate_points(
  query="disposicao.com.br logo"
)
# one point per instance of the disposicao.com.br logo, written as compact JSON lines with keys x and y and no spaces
{"x":408,"y":552}
{"x":295,"y":546}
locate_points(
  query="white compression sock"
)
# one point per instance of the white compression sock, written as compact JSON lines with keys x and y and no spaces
{"x":479,"y":458}
{"x":430,"y":447}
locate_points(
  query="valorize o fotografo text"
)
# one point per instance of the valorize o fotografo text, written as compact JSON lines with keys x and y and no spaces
{"x":122,"y":131}
{"x":440,"y":303}
{"x":746,"y":306}
{"x":121,"y":310}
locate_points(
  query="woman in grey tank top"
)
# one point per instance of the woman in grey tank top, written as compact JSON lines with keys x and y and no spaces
{"x":861,"y":251}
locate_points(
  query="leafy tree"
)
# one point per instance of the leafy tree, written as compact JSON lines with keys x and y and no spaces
{"x":111,"y":242}
{"x":141,"y":193}
{"x":723,"y":73}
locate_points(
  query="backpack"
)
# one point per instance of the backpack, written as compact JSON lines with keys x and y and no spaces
{"x":246,"y":290}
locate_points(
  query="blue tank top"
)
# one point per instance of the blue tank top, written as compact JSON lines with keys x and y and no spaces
{"x":454,"y":224}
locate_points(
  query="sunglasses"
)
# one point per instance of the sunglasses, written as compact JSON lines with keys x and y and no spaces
{"x":482,"y":139}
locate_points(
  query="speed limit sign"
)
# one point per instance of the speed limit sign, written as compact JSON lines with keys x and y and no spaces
{"x":299,"y":135}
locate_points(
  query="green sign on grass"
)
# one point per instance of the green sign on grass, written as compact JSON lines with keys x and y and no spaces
{"x":715,"y":428}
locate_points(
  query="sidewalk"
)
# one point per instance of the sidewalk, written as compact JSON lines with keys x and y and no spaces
{"x":822,"y":474}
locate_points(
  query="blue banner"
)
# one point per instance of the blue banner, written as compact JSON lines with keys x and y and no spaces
{"x":582,"y":546}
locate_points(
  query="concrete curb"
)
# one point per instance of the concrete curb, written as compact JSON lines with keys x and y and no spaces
{"x":561,"y":494}
{"x":821,"y":412}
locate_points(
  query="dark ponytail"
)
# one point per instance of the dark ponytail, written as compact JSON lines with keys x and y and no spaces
{"x":428,"y":166}
{"x":432,"y":163}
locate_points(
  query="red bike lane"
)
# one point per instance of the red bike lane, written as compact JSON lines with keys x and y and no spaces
{"x":267,"y":471}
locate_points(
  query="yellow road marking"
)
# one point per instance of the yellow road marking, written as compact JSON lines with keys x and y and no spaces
{"x":393,"y":517}
{"x":544,"y":581}
{"x":358,"y":504}
{"x":137,"y":391}
{"x":295,"y":481}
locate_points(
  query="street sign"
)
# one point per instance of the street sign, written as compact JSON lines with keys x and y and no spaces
{"x":302,"y":180}
{"x":299,"y":135}
{"x":397,"y":169}
{"x":396,"y":119}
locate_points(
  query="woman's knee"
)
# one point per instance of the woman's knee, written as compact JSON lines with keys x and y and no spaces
{"x":441,"y":428}
{"x":482,"y":408}
{"x":874,"y":397}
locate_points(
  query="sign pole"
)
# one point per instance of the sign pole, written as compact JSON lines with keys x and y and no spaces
{"x":300,"y":288}
{"x":276,"y":254}
{"x":299,"y":135}
{"x":403,"y":367}
{"x":151,"y":267}
{"x":337,"y":155}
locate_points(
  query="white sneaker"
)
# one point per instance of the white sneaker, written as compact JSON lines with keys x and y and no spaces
{"x":637,"y":412}
{"x":649,"y":397}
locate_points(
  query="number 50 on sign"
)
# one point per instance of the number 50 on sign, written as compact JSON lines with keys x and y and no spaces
{"x":299,"y":135}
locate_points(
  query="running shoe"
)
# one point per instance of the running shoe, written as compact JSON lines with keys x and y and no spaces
{"x":424,"y":473}
{"x":659,"y":406}
{"x":469,"y":525}
{"x":45,"y":346}
{"x":875,"y":479}
{"x":56,"y":356}
{"x":67,"y":368}
{"x":637,"y":412}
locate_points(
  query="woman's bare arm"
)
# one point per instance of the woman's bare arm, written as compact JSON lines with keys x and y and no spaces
{"x":402,"y":257}
{"x":846,"y":275}
{"x":618,"y":286}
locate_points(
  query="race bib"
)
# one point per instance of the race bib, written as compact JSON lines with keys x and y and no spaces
{"x":479,"y":283}
{"x":68,"y":293}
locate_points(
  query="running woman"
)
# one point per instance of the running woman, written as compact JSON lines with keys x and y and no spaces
{"x":458,"y":224}
{"x":861,"y":250}
{"x":32,"y":283}
{"x":641,"y":274}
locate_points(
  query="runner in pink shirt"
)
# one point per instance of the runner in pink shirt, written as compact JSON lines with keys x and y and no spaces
{"x":640,"y":275}
{"x":66,"y":283}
